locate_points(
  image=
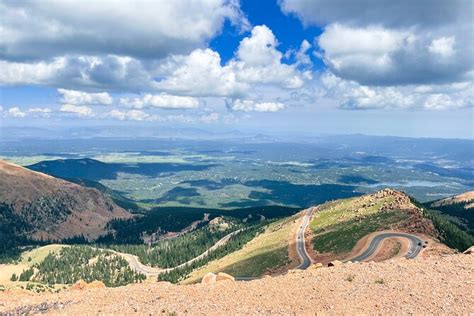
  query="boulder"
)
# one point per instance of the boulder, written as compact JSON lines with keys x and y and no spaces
{"x":334,"y":263}
{"x":316,"y":266}
{"x":221,"y":276}
{"x":209,"y":278}
{"x":469,"y":251}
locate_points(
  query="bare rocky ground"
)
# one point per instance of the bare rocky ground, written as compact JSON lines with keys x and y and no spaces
{"x":436,"y":285}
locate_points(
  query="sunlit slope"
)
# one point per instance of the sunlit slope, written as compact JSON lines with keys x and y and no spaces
{"x":338,"y":225}
{"x":265,"y":253}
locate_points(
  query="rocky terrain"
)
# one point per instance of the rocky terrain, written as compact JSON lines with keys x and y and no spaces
{"x":52,"y":208}
{"x":437,"y":285}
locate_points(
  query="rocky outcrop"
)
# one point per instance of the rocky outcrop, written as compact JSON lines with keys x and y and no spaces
{"x":209,"y":278}
{"x":469,"y":251}
{"x":213,"y":278}
{"x":219,"y":224}
{"x":221,"y":276}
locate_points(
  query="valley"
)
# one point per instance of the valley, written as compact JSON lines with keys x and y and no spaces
{"x":185,"y":217}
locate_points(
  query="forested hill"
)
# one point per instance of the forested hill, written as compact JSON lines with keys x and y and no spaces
{"x":44,"y":207}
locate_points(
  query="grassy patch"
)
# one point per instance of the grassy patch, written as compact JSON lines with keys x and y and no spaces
{"x":379,"y":281}
{"x":338,"y":225}
{"x":267,"y":251}
{"x":342,"y":237}
{"x":37,"y":255}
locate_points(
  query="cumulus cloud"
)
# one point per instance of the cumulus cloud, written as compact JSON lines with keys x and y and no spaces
{"x":132,"y":115}
{"x":84,"y":72}
{"x":253,"y":106}
{"x":352,"y":96}
{"x":162,"y":101}
{"x":396,"y":14}
{"x":199,"y":73}
{"x":443,"y":46}
{"x":16,"y":112}
{"x":80,"y":97}
{"x":143,"y":29}
{"x":78,"y":110}
{"x":380,"y":56}
{"x":40,"y":112}
{"x":392,"y":54}
{"x":257,"y":61}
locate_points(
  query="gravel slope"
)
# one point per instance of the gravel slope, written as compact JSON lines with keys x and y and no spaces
{"x":420,"y":286}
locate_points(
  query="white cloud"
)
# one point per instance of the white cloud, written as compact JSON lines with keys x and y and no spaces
{"x":132,"y":115}
{"x":84,"y":98}
{"x":352,"y":96}
{"x":395,"y":14}
{"x":253,"y":106}
{"x":259,"y":49}
{"x":380,"y":56}
{"x":257,"y":62}
{"x":210,"y":118}
{"x":41,"y":112}
{"x":30,"y":73}
{"x":78,"y":110}
{"x":163,"y":101}
{"x":16,"y":112}
{"x":108,"y":72}
{"x":393,"y":54}
{"x":36,"y":112}
{"x":143,"y":29}
{"x":443,"y":46}
{"x":200,"y":74}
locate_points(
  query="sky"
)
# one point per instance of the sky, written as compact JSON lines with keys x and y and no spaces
{"x":308,"y":67}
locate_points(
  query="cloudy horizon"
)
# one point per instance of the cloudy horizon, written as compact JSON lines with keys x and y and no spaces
{"x":311,"y":67}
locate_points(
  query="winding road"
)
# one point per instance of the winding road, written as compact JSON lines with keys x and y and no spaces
{"x":300,"y":243}
{"x":416,"y":245}
{"x":136,"y":265}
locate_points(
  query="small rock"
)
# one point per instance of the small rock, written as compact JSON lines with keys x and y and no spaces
{"x":316,"y":266}
{"x":334,"y":263}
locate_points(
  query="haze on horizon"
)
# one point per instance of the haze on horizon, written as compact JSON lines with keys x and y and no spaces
{"x":281,"y":67}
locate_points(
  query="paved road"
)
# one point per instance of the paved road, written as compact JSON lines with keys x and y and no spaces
{"x":416,"y":245}
{"x":300,"y":244}
{"x":136,"y":265}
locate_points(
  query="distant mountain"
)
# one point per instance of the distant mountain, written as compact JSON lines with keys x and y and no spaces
{"x":51,"y":208}
{"x":458,"y":209}
{"x":466,"y":199}
{"x":91,"y":169}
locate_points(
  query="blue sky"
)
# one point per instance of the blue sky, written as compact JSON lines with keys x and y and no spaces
{"x":280,"y":67}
